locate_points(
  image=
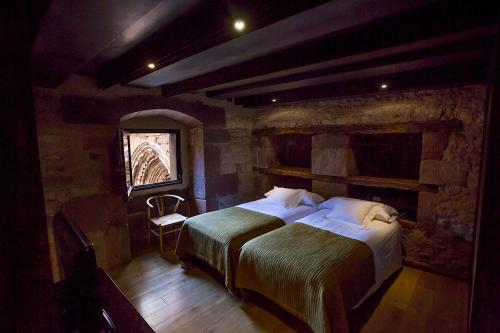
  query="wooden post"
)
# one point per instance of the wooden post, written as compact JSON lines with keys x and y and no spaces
{"x":484,"y":315}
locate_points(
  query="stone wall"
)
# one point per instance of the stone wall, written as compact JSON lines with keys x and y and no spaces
{"x":78,"y":163}
{"x":77,"y":135}
{"x":225,"y":177}
{"x":443,"y":236}
{"x":75,"y":163}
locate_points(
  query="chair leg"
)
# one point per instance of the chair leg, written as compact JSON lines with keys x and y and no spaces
{"x":161,"y":241}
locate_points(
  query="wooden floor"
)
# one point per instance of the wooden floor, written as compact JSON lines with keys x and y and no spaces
{"x":172,"y":300}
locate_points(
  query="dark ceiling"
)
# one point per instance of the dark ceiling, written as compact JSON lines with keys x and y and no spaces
{"x":289,"y":51}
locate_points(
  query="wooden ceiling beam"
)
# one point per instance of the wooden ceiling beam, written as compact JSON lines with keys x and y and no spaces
{"x":460,"y":38}
{"x":405,"y":28}
{"x":459,"y":73}
{"x":313,"y":80}
{"x":203,"y":27}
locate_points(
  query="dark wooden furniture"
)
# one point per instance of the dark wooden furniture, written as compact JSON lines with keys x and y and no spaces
{"x":90,"y":301}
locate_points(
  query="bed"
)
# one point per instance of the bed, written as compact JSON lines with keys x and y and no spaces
{"x":217,"y":237}
{"x":331,"y":266}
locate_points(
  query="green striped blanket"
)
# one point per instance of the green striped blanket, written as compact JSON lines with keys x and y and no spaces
{"x":316,"y":275}
{"x":217,"y":237}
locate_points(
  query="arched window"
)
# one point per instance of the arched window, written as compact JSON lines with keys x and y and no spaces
{"x":151,"y":158}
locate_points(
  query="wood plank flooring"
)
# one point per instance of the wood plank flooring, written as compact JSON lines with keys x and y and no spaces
{"x":172,"y":300}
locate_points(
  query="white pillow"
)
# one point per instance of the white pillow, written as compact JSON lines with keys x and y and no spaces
{"x":311,"y":199}
{"x":349,"y":210}
{"x":382,"y":213}
{"x":308,"y":198}
{"x":269,"y":193}
{"x":284,"y":197}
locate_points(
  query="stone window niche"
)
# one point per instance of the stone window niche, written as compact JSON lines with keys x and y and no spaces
{"x":392,"y":155}
{"x":151,"y":158}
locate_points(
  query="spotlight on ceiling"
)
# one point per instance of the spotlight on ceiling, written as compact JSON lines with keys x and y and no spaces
{"x":151,"y":65}
{"x":384,"y":85}
{"x":274,"y":100}
{"x":239,"y":25}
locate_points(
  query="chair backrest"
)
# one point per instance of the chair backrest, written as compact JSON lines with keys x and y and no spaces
{"x":78,"y":269}
{"x":159,"y":203}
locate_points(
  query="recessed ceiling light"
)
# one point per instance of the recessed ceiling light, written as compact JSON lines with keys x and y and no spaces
{"x":239,"y":25}
{"x":151,"y":65}
{"x":384,"y":85}
{"x":274,"y":100}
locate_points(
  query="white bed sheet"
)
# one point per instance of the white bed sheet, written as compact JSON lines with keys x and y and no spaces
{"x":383,"y":239}
{"x":286,"y":214}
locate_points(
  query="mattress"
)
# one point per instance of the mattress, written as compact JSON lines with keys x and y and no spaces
{"x":383,"y":239}
{"x":286,"y":214}
{"x":217,"y":237}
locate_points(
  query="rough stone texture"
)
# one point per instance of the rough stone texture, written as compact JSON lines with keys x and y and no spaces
{"x":213,"y":135}
{"x":212,"y":160}
{"x":427,"y":211}
{"x":77,"y":166}
{"x":444,"y":250}
{"x":333,"y":162}
{"x":328,"y":190}
{"x":201,"y":206}
{"x":222,"y":185}
{"x":196,"y":147}
{"x":435,"y":172}
{"x":199,"y":190}
{"x":448,"y":247}
{"x":264,"y":153}
{"x":265,"y":157}
{"x":75,"y":163}
{"x":434,"y":144}
{"x":329,"y":141}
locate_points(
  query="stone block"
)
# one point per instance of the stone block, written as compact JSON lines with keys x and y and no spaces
{"x":212,"y":160}
{"x":433,"y":145}
{"x":200,"y":206}
{"x":333,"y":162}
{"x":212,"y":205}
{"x":427,"y":211}
{"x":262,"y":184}
{"x":435,"y":172}
{"x":265,"y":141}
{"x":199,"y":187}
{"x":215,"y":135}
{"x":328,"y":189}
{"x":221,"y":185}
{"x":196,"y":137}
{"x":330,"y":141}
{"x":198,"y":160}
{"x":83,"y":211}
{"x":227,"y":168}
{"x":265,"y":157}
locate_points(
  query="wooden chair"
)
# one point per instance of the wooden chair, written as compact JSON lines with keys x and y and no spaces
{"x":163,"y":221}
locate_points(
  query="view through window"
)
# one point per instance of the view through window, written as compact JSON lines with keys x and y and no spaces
{"x":151,"y":158}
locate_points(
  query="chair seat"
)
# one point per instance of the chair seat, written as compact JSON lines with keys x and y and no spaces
{"x":168,"y":219}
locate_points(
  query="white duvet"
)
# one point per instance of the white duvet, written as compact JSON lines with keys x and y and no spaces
{"x":383,"y":239}
{"x":286,"y":214}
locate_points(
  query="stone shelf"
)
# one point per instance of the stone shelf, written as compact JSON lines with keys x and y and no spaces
{"x":395,"y":183}
{"x":453,"y":125}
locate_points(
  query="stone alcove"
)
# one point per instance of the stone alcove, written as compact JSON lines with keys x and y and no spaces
{"x":350,"y":161}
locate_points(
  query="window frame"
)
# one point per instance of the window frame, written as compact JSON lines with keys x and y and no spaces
{"x":178,"y":157}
